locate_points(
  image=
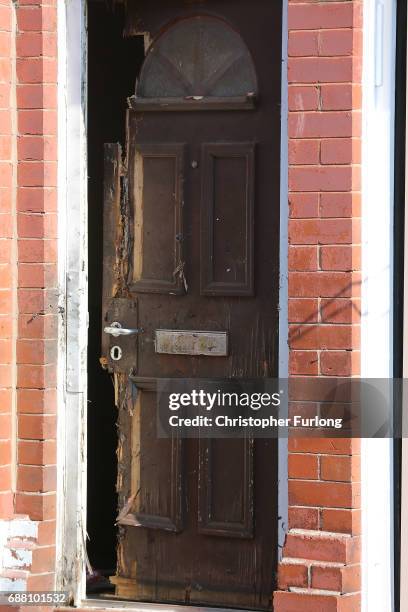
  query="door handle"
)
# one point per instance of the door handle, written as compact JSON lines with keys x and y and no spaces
{"x":115,"y":329}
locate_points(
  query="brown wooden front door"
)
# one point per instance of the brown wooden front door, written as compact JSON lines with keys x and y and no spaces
{"x":191,"y":230}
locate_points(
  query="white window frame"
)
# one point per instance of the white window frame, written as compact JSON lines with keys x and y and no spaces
{"x":379,"y":50}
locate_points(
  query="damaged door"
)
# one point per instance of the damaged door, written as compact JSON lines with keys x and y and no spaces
{"x":191,"y":279}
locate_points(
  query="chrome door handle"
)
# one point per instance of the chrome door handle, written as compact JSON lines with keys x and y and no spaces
{"x":115,"y":329}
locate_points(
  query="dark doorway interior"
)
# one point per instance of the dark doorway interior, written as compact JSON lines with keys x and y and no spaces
{"x":113,"y":63}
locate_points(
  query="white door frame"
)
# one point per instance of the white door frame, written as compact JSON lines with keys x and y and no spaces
{"x":72,"y":397}
{"x":72,"y":263}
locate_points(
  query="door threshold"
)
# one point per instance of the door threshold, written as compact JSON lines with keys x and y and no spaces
{"x":139,"y":606}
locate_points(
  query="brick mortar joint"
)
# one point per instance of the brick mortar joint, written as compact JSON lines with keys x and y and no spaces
{"x":309,"y":591}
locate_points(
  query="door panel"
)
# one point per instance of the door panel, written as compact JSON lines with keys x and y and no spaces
{"x":191,"y":243}
{"x":226,"y":511}
{"x":158,"y":194}
{"x":227,"y":218}
{"x":153,"y":504}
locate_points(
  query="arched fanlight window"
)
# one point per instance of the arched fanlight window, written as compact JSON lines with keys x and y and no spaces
{"x":200,"y":59}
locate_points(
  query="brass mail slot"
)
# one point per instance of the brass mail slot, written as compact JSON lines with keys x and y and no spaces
{"x":186,"y":342}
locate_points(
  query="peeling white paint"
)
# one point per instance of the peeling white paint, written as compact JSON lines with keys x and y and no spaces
{"x":17,"y":540}
{"x":72,"y":266}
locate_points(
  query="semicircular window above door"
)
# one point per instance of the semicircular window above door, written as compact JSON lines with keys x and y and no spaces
{"x":200,"y":58}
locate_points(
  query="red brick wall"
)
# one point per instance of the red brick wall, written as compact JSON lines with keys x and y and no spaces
{"x":28,"y":92}
{"x":36,"y":46}
{"x":324,"y":74}
{"x":7,"y":259}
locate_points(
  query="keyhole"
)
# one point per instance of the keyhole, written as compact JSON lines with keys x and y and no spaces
{"x":116,"y":353}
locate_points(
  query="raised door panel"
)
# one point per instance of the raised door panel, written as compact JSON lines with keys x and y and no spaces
{"x":157,"y":481}
{"x":157,"y":218}
{"x":226,"y":487}
{"x":227,"y":219}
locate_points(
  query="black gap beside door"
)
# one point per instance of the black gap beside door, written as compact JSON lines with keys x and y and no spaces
{"x":113,"y":63}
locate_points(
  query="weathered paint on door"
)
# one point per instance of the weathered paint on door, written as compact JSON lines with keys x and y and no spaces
{"x":191,"y":243}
